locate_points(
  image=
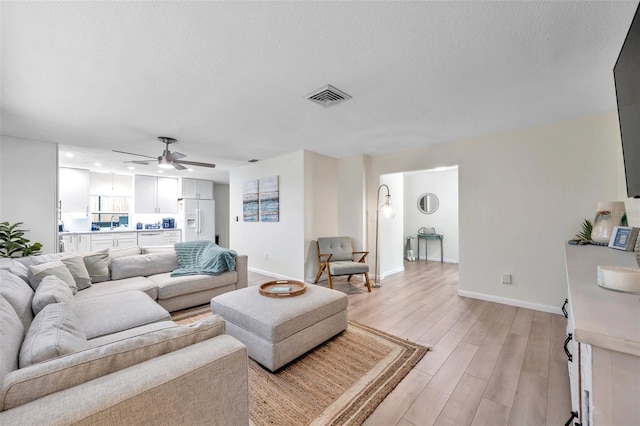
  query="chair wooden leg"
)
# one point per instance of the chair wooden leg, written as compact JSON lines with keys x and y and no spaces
{"x":329,"y":278}
{"x":320,"y":271}
{"x":366,"y":278}
{"x":349,"y":278}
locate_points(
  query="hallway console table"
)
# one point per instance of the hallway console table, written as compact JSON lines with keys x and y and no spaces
{"x":426,"y":238}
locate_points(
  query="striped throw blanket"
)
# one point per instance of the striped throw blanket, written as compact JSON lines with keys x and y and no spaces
{"x":203,"y":257}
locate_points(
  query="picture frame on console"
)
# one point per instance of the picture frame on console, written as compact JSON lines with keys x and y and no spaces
{"x":624,"y":238}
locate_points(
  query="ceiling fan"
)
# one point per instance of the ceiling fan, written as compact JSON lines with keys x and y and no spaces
{"x":168,"y":159}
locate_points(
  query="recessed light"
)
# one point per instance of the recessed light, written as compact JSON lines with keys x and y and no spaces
{"x":190,"y":170}
{"x":131,"y":168}
{"x":68,"y":154}
{"x":97,"y":164}
{"x":160,"y":171}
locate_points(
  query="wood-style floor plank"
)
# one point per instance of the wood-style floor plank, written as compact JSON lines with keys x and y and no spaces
{"x":491,"y":364}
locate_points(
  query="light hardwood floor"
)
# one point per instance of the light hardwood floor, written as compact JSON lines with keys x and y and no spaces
{"x":490,"y":364}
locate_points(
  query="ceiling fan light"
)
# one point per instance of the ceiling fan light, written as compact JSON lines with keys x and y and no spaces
{"x":163,"y":163}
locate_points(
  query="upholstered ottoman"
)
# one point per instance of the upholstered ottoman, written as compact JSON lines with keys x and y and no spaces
{"x":277,"y":330}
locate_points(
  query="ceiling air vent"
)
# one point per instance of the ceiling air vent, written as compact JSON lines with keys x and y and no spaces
{"x":328,"y":96}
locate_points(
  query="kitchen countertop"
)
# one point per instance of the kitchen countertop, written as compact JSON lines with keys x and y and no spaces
{"x":603,"y":318}
{"x":108,"y":231}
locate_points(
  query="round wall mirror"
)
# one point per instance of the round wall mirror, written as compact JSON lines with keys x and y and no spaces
{"x":428,"y":203}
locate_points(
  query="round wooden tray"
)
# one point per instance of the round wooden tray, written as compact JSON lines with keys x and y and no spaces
{"x":296,"y":288}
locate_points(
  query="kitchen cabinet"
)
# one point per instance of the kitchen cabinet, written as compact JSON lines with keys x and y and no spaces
{"x":155,"y":194}
{"x":196,"y":188}
{"x":73,"y":188}
{"x":171,"y":237}
{"x":150,"y":238}
{"x":76,"y":243}
{"x":603,"y":341}
{"x":113,"y":240}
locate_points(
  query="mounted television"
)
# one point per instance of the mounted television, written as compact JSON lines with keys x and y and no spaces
{"x":626,"y":74}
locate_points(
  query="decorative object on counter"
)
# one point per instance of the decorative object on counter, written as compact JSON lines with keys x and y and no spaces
{"x":624,"y":238}
{"x":12,"y":242}
{"x":617,"y":278}
{"x":584,"y":236}
{"x":609,"y":215}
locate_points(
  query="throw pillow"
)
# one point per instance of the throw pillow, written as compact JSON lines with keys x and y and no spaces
{"x":97,"y":264}
{"x":51,"y":290}
{"x":54,"y":332}
{"x":55,"y":267}
{"x":15,"y":268}
{"x":78,"y":270}
{"x":19,"y":295}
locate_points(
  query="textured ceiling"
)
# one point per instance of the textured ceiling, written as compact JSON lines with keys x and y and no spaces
{"x":229,"y":79}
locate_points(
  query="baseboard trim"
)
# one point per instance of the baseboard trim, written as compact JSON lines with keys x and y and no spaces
{"x":511,"y":302}
{"x":271,"y":274}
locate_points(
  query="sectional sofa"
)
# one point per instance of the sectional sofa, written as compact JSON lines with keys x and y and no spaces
{"x":88,"y":339}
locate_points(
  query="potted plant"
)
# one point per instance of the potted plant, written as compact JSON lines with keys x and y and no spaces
{"x":12,"y":242}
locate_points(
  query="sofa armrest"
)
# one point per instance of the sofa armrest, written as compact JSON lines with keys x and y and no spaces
{"x":242,"y":265}
{"x":205,"y":383}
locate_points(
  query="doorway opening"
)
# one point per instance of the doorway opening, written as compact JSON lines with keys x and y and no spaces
{"x":426,"y":203}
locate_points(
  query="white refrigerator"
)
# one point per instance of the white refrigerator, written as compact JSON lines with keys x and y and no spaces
{"x":197,"y":219}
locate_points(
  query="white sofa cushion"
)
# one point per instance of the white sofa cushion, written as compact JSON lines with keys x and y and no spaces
{"x":169,"y":286}
{"x":143,"y":265}
{"x":34,"y":382}
{"x":55,"y":267}
{"x":111,"y":313}
{"x":18,"y":294}
{"x":118,"y":286}
{"x":54,"y":332}
{"x":52,"y":290}
{"x":15,"y":267}
{"x":11,"y":335}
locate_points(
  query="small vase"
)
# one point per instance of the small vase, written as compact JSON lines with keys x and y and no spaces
{"x":609,"y":215}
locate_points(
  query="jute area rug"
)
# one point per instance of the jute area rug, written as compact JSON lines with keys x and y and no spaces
{"x":339,"y":382}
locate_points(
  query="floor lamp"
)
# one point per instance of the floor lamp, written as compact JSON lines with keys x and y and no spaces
{"x":388,"y":211}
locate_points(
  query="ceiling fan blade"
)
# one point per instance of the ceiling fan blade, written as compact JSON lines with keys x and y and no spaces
{"x":174,"y":156}
{"x":195,"y":163}
{"x":132,"y":153}
{"x":145,"y":163}
{"x":178,"y":166}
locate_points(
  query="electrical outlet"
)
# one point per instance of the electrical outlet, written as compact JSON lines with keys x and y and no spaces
{"x":506,"y":278}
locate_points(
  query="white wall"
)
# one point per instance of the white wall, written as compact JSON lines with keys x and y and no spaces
{"x":391,"y":230}
{"x":276,"y":248}
{"x":223,"y":219}
{"x":521,"y":196}
{"x":28,"y":188}
{"x":320,"y":205}
{"x":444,"y":184}
{"x":351,"y":200}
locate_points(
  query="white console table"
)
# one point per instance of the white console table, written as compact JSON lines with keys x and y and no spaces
{"x":603,"y":340}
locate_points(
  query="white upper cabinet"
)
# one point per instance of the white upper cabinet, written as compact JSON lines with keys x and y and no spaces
{"x":196,"y":188}
{"x":156,"y":194}
{"x":73,"y":188}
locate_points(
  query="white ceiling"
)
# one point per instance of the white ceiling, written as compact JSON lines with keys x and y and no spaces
{"x":229,"y":79}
